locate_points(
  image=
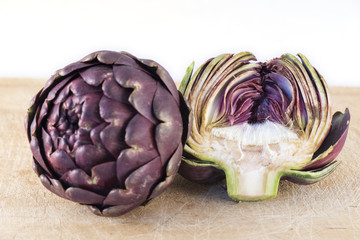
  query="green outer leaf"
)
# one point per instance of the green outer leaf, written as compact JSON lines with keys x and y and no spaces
{"x":308,"y":94}
{"x":323,"y":101}
{"x":199,"y":163}
{"x":186,"y":78}
{"x":309,"y":177}
{"x":199,"y":158}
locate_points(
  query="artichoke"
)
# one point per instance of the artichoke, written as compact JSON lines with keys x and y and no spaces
{"x":255,"y":123}
{"x":108,"y":132}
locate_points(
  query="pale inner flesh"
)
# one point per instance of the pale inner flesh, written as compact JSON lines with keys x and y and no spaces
{"x":257,"y":152}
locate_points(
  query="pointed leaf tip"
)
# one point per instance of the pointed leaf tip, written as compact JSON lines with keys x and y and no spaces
{"x":186,"y":78}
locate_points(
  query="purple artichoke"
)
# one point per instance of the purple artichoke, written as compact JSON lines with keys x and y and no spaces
{"x":108,"y":131}
{"x":255,"y":123}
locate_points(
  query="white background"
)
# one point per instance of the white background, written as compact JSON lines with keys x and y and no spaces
{"x":38,"y":37}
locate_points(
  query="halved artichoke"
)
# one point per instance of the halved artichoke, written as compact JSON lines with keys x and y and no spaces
{"x":108,"y":131}
{"x":255,"y":123}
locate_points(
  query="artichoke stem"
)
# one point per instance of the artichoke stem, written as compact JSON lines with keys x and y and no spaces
{"x":256,"y":185}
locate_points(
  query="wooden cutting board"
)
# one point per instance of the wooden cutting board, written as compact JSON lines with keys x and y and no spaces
{"x":329,"y":209}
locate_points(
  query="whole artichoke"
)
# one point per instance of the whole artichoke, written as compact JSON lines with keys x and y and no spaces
{"x":255,"y":123}
{"x":108,"y":132}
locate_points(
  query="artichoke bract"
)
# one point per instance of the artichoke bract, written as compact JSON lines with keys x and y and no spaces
{"x":255,"y":123}
{"x":108,"y":131}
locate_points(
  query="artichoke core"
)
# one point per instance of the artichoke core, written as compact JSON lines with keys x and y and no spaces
{"x":256,"y":157}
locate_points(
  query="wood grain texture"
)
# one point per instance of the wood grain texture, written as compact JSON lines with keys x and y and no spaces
{"x":329,"y":209}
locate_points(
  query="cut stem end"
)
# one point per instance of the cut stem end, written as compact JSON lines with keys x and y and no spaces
{"x":256,"y":185}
